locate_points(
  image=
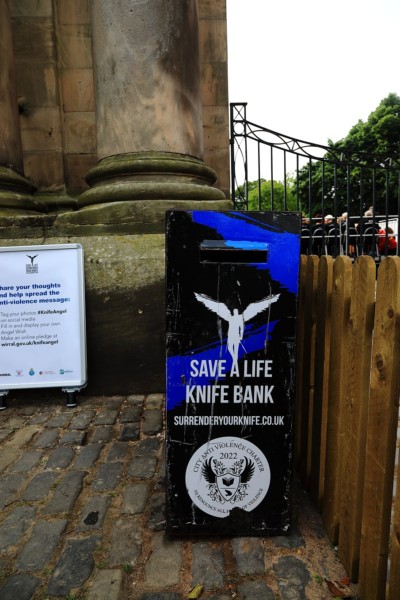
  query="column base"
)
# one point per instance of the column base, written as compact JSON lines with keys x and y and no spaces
{"x":131,"y":217}
{"x":16,"y":193}
{"x":150,"y":176}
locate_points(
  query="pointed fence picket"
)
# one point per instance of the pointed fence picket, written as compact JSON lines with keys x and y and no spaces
{"x":348,"y":384}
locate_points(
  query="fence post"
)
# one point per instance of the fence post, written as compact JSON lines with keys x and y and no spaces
{"x":305,"y":404}
{"x":299,"y":357}
{"x":394,"y":581}
{"x":342,"y":273}
{"x":321,"y":376}
{"x":356,"y":411}
{"x":381,"y":433}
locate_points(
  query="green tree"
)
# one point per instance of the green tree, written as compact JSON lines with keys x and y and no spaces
{"x":360,"y":170}
{"x":267,"y":195}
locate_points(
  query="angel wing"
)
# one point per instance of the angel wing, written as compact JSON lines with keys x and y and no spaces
{"x":256,"y":307}
{"x":247,"y":472}
{"x":217,"y":307}
{"x":207,"y":472}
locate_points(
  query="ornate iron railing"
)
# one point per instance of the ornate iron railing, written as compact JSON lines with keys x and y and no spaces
{"x":272,"y":171}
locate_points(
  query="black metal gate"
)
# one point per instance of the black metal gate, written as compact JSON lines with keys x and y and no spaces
{"x":350,"y":202}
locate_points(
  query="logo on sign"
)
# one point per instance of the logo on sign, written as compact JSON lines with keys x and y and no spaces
{"x":225,"y":473}
{"x":32,"y":267}
{"x":228,"y":483}
{"x":235,"y":319}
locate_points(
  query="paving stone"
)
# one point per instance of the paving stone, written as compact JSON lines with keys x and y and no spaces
{"x":40,"y":486}
{"x":131,"y":414}
{"x":165,"y":562}
{"x":39,"y":550}
{"x":162,"y":596}
{"x":87,"y":456}
{"x":27,"y":411}
{"x":66,"y":493}
{"x":147,"y":447}
{"x":61,"y":419}
{"x":60,"y":458}
{"x":207,"y":566}
{"x":93,"y":514}
{"x":130,"y":432}
{"x":73,"y":438}
{"x":15,"y":525}
{"x":157,"y":512}
{"x":5,"y":414}
{"x":144,"y":461}
{"x":90,"y":402}
{"x":27,"y":462}
{"x":16,"y":422}
{"x":23,"y":436}
{"x":8,"y":455}
{"x":135,"y":398}
{"x":126,"y":542}
{"x":39,"y":418}
{"x":255,"y":590}
{"x":82,"y":419}
{"x":112,"y":403}
{"x":249,"y":555}
{"x":106,"y":417}
{"x":135,"y":498}
{"x":47,"y":439}
{"x":118,"y":451}
{"x":292,"y":577}
{"x":9,"y":486}
{"x":143,"y":467}
{"x":154,"y":401}
{"x":4,"y":433}
{"x":106,"y":584}
{"x":161,"y":474}
{"x":108,"y":476}
{"x":152,"y":422}
{"x":21,"y":587}
{"x":74,"y":566}
{"x":101,"y":434}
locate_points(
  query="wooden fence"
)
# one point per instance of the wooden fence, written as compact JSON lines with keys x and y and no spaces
{"x":348,"y":383}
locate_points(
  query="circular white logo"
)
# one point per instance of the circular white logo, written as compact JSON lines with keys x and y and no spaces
{"x":225,"y":473}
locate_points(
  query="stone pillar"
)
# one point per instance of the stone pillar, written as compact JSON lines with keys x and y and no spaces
{"x":15,"y":190}
{"x":148,"y":104}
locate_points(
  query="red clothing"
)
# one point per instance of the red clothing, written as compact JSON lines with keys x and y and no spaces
{"x":391,"y":242}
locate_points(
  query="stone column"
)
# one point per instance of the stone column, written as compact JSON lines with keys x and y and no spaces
{"x":148,"y":104}
{"x":15,"y":190}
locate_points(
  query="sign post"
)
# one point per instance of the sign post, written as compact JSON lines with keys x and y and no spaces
{"x":42,"y":318}
{"x":232,"y":285}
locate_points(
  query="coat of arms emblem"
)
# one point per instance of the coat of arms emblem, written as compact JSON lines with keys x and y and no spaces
{"x":228,"y":483}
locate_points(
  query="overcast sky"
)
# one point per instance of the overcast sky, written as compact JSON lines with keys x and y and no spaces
{"x":312,"y":68}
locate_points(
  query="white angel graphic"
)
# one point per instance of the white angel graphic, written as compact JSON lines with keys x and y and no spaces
{"x":236,"y":320}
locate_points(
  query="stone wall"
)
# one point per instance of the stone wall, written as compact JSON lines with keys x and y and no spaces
{"x":54,"y":72}
{"x":123,"y":241}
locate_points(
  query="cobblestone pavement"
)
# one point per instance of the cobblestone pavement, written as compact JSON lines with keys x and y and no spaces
{"x":82,"y":499}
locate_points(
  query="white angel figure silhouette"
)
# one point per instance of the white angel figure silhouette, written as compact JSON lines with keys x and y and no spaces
{"x":236,"y":320}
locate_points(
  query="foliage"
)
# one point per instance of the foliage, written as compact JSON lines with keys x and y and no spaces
{"x":358,"y":171}
{"x":267,"y":195}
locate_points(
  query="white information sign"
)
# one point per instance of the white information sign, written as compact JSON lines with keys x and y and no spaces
{"x":42,"y":317}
